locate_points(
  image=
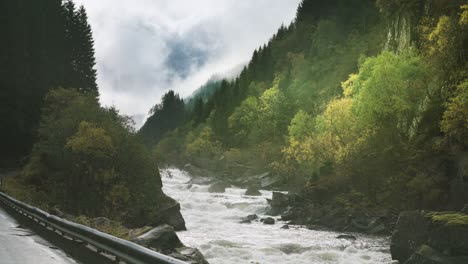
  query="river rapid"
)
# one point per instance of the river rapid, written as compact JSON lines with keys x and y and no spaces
{"x":212,"y":221}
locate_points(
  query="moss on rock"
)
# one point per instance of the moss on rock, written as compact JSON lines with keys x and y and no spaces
{"x":449,"y":219}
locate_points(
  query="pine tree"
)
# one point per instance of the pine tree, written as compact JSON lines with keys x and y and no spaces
{"x":85,"y":62}
{"x":79,"y":50}
{"x":45,"y":44}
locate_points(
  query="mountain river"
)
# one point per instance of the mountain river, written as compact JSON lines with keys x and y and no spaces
{"x":212,"y":220}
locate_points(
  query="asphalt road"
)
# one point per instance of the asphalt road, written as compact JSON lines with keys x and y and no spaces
{"x":19,"y":245}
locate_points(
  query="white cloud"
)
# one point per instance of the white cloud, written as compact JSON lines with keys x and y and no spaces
{"x":146,"y":47}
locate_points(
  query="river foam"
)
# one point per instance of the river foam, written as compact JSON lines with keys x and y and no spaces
{"x":212,"y":220}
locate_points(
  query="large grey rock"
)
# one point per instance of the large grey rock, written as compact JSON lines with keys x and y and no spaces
{"x":250,"y":217}
{"x":268,"y":181}
{"x":252,"y":191}
{"x":169,"y":213}
{"x":428,"y":255}
{"x":269,"y":221}
{"x":292,"y":214}
{"x":411,"y":231}
{"x":189,"y":255}
{"x":279,"y":200}
{"x":348,"y":237}
{"x":218,"y":187}
{"x":449,"y":233}
{"x":161,"y":238}
{"x":278,"y":203}
{"x":134,"y":233}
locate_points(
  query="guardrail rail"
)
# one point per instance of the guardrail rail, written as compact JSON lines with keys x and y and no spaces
{"x":123,"y":250}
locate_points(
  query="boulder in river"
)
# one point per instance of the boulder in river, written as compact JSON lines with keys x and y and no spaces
{"x":448,"y":233}
{"x":292,"y":214}
{"x":348,"y":237}
{"x":428,"y":255}
{"x":279,"y":199}
{"x":169,"y":213}
{"x":250,"y":217}
{"x":218,"y":187}
{"x":269,"y":221}
{"x":421,"y":237}
{"x":252,"y":191}
{"x":189,"y":255}
{"x":411,"y":231}
{"x":161,"y":238}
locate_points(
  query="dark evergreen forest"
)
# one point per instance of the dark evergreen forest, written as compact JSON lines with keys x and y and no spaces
{"x":45,"y":44}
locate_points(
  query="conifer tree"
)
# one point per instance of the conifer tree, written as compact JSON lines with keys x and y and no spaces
{"x":85,"y":62}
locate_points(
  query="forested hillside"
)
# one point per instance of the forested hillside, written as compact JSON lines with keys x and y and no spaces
{"x":78,"y":156}
{"x":365,"y":99}
{"x":44,"y":44}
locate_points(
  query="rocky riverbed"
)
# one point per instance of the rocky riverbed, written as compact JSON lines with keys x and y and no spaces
{"x":228,"y":226}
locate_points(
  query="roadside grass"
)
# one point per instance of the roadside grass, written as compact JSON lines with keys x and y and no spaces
{"x":14,"y":186}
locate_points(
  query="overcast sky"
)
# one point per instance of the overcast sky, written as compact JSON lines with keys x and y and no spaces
{"x":146,"y":47}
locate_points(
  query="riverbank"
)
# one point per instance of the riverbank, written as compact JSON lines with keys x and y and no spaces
{"x":154,"y":237}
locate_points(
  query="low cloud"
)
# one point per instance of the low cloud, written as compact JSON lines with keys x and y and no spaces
{"x":146,"y":47}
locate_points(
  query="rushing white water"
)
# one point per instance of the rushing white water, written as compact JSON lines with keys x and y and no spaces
{"x":213,"y":227}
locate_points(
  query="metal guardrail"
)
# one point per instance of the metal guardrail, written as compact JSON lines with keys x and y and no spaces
{"x":123,"y":250}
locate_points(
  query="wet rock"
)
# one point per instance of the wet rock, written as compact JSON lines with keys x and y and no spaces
{"x":278,"y":206}
{"x":285,"y":227}
{"x":292,"y":214}
{"x":245,"y":221}
{"x":252,"y":191}
{"x":348,"y":237}
{"x":169,"y":213}
{"x":269,"y":221}
{"x":134,"y":233}
{"x":422,"y":237}
{"x":250,"y":217}
{"x":218,"y":187}
{"x":161,"y":238}
{"x":378,"y":229}
{"x":292,"y":248}
{"x":279,"y":199}
{"x":449,"y":232}
{"x":189,"y":255}
{"x":411,"y":231}
{"x":428,"y":255}
{"x":267,"y":181}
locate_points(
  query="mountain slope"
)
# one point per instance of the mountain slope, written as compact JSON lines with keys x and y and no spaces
{"x":363,"y":98}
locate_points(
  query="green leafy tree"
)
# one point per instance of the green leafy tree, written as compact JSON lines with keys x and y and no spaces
{"x":86,"y":149}
{"x":455,"y":119}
